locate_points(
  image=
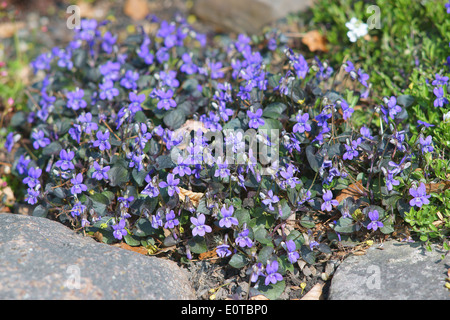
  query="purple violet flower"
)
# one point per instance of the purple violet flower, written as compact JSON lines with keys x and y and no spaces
{"x":108,"y":42}
{"x":65,"y":163}
{"x":32,"y":195}
{"x":214,"y":68}
{"x":108,"y":91}
{"x":270,"y":199}
{"x":78,"y":186}
{"x":188,"y":66}
{"x":129,"y":80}
{"x":423,"y":123}
{"x":222,"y":169}
{"x":200,"y":227}
{"x":119,"y":230}
{"x":151,"y":189}
{"x":272,"y":275}
{"x":227,"y":219}
{"x":374,"y":223}
{"x":100,"y":173}
{"x":427,"y":144}
{"x":9,"y":143}
{"x":302,"y":123}
{"x":102,"y":141}
{"x":171,"y":184}
{"x":440,"y":80}
{"x":182,"y":168}
{"x":243,"y":240}
{"x":40,"y":141}
{"x":293,"y":255}
{"x":223,"y":250}
{"x":22,"y":164}
{"x":328,"y":201}
{"x":78,"y":209}
{"x":363,"y":77}
{"x":420,"y":196}
{"x":351,"y":150}
{"x":166,"y":102}
{"x":136,"y":101}
{"x":87,"y":124}
{"x":33,"y":176}
{"x":171,"y":221}
{"x":440,"y":100}
{"x":75,"y":99}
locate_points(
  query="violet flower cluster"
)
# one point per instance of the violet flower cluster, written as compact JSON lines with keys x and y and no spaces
{"x":130,"y":151}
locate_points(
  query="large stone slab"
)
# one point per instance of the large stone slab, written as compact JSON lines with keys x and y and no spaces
{"x":401,"y":271}
{"x":43,"y":259}
{"x":245,"y":16}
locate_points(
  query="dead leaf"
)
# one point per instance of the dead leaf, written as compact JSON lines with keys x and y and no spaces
{"x":315,"y":293}
{"x":437,"y":187}
{"x":186,"y":128}
{"x":136,"y":9}
{"x":140,"y":249}
{"x":259,"y":297}
{"x":354,"y":190}
{"x":6,"y":194}
{"x":8,"y":29}
{"x":208,"y":255}
{"x":315,"y":41}
{"x":193,"y":196}
{"x":98,"y":236}
{"x":97,"y":11}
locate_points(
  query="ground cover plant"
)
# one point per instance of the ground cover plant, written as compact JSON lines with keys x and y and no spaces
{"x":245,"y":147}
{"x":404,"y":47}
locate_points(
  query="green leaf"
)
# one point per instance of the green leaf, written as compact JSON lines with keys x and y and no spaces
{"x":108,"y":236}
{"x":272,"y":291}
{"x":274,"y":80}
{"x":18,"y":119}
{"x":174,"y":119}
{"x":143,"y":228}
{"x":132,"y":240}
{"x":52,"y":149}
{"x":197,"y":244}
{"x":270,"y":124}
{"x":118,"y":175}
{"x":99,"y":208}
{"x":265,"y":254}
{"x":261,"y":236}
{"x":324,"y":248}
{"x":242,"y":215}
{"x":284,"y":265}
{"x":139,"y":176}
{"x":345,"y":225}
{"x":164,"y":162}
{"x":40,"y":211}
{"x":405,"y":100}
{"x":307,"y":222}
{"x":98,"y":197}
{"x":307,"y":254}
{"x":238,"y":261}
{"x":274,"y":110}
{"x":285,"y":209}
{"x":315,"y":160}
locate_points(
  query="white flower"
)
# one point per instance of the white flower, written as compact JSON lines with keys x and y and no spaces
{"x":446,"y":117}
{"x":357,"y":29}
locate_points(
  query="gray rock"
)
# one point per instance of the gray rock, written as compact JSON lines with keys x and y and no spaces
{"x":402,"y":271}
{"x":43,"y":259}
{"x":245,"y":16}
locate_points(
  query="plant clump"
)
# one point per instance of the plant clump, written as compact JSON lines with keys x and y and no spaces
{"x":242,"y":147}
